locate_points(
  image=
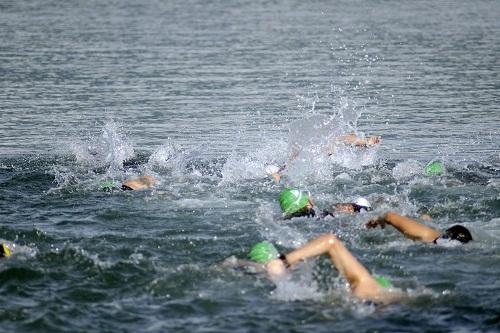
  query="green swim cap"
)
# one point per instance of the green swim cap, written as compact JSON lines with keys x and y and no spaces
{"x":292,"y":201}
{"x":434,"y":168}
{"x":107,"y":185}
{"x":383,"y":282}
{"x":263,"y":253}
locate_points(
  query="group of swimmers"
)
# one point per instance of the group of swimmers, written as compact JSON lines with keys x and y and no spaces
{"x":264,"y":257}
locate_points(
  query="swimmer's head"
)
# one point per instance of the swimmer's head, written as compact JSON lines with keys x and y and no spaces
{"x":4,"y":250}
{"x":434,"y":168}
{"x":360,"y":204}
{"x":459,"y":233}
{"x":352,"y":207}
{"x":139,"y":183}
{"x":263,"y":252}
{"x":292,"y":201}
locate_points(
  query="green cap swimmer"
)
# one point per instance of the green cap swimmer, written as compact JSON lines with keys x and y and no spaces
{"x":263,"y":253}
{"x":292,"y":201}
{"x":434,"y":168}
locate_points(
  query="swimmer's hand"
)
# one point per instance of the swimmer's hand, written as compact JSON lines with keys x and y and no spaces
{"x":276,"y":268}
{"x":375,"y":223}
{"x":276,"y":176}
{"x":274,"y":171}
{"x":373,"y":140}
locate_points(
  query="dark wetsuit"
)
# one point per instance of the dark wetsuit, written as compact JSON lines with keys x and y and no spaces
{"x":303,"y":213}
{"x":324,"y":213}
{"x":310,"y":213}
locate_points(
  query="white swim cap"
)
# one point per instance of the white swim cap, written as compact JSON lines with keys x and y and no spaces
{"x":362,"y":202}
{"x":270,"y":169}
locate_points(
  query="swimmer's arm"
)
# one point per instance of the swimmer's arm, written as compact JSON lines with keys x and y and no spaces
{"x":360,"y":280}
{"x":408,"y":227}
{"x":354,"y":140}
{"x":351,"y":139}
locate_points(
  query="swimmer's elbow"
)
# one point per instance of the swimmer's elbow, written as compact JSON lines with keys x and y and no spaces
{"x":424,"y":237}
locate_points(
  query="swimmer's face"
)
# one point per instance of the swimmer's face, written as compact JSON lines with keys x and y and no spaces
{"x":345,"y":208}
{"x":310,"y":203}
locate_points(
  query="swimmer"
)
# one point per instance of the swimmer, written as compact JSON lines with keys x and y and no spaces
{"x":139,"y":183}
{"x":260,"y":254}
{"x":266,"y":259}
{"x":329,"y":149}
{"x":295,"y":203}
{"x":356,"y":206}
{"x":4,"y":251}
{"x":420,"y":232}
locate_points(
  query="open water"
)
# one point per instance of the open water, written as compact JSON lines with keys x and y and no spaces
{"x":203,"y":95}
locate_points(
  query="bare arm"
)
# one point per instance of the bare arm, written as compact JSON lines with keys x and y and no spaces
{"x":362,"y":284}
{"x":408,"y":227}
{"x":354,"y":140}
{"x":140,"y":183}
{"x":351,"y":139}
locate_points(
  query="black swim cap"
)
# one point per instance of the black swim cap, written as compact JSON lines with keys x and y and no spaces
{"x":459,"y":233}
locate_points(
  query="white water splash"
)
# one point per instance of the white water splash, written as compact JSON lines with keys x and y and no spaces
{"x":313,"y":146}
{"x":167,"y":157}
{"x":306,"y":154}
{"x":109,"y":150}
{"x":297,"y":286}
{"x":407,"y":169}
{"x":253,"y":165}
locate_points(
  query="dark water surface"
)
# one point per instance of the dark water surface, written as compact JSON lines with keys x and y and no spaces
{"x":204,"y":94}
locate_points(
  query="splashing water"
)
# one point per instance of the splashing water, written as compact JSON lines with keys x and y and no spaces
{"x":311,"y":150}
{"x":407,"y":169}
{"x":167,"y":157}
{"x":253,"y":165}
{"x":303,"y":288}
{"x":108,"y":150}
{"x":116,"y":148}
